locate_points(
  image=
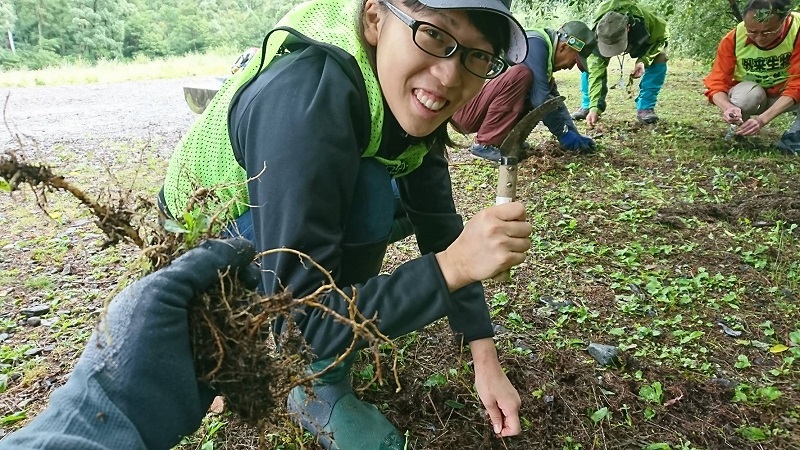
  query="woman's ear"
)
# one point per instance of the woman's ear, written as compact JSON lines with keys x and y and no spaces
{"x":371,"y":20}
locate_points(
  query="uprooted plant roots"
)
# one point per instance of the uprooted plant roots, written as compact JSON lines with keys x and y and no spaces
{"x":115,"y":221}
{"x":230,"y":326}
{"x":231,"y":340}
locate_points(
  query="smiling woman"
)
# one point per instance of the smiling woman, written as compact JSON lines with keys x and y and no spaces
{"x":441,"y":44}
{"x":331,"y":141}
{"x":467,"y":45}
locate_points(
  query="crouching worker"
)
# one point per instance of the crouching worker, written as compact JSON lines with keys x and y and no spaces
{"x":625,"y":26}
{"x":504,"y":100}
{"x":331,"y":136}
{"x":135,"y":387}
{"x":756,"y":74}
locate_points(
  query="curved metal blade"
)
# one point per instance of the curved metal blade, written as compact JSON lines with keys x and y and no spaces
{"x":513,"y":142}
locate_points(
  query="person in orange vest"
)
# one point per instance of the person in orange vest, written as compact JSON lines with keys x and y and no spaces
{"x":756,"y":73}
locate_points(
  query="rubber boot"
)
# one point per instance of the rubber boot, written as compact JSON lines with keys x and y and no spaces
{"x":789,"y":143}
{"x":336,"y":417}
{"x":580,"y":114}
{"x":796,"y":124}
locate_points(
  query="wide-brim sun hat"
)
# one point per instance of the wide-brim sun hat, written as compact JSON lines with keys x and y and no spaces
{"x":518,"y":47}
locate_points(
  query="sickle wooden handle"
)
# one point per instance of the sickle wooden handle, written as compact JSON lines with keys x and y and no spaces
{"x":506,"y":193}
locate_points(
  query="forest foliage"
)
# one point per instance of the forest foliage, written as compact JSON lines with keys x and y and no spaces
{"x":50,"y":32}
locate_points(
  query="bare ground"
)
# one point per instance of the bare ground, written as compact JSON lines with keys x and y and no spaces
{"x":560,"y":384}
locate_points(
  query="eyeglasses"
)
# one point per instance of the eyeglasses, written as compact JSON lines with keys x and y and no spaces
{"x":765,"y":33}
{"x":441,"y":44}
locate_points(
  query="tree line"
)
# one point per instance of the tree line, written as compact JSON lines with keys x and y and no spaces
{"x":39,"y":33}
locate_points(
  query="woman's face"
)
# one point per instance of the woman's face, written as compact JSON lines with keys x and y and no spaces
{"x":422,"y":91}
{"x":764,"y":32}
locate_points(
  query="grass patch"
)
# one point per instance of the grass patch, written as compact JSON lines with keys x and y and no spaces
{"x":213,"y":63}
{"x":673,"y":245}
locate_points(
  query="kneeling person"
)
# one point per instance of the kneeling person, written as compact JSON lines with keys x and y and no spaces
{"x":756,"y":73}
{"x":504,"y":100}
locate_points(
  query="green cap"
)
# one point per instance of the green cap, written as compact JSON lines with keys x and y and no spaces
{"x":581,"y":38}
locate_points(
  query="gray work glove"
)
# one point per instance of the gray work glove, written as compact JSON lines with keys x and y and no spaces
{"x":135,"y":386}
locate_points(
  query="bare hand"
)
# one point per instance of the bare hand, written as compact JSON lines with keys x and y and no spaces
{"x":500,"y":399}
{"x":493,"y":241}
{"x":638,"y":70}
{"x":750,"y":127}
{"x":592,"y":118}
{"x":732,"y":115}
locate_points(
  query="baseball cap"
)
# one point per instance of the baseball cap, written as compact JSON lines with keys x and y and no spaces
{"x":518,"y":47}
{"x":581,"y":39}
{"x":612,"y":34}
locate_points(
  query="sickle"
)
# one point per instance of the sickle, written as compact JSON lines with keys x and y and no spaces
{"x":509,"y":157}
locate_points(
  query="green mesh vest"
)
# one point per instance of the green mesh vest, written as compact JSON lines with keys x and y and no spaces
{"x":205,"y":158}
{"x":549,"y":40}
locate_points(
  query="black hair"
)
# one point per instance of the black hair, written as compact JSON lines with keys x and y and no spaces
{"x":496,"y":29}
{"x":764,"y":9}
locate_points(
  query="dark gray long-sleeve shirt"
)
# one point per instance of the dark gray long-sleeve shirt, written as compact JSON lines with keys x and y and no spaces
{"x":307,"y":121}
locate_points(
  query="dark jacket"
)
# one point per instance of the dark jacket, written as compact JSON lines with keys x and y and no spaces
{"x":306,"y":119}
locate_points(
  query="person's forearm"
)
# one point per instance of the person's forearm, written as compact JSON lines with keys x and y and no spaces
{"x":453,"y":276}
{"x":722,"y":100}
{"x":779,"y":107}
{"x":484,"y":354}
{"x":596,"y":92}
{"x":598,"y":68}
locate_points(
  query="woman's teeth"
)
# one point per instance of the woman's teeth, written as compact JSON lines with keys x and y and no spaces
{"x":429,"y":102}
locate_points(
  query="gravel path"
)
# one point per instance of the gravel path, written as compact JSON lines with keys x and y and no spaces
{"x":86,"y":118}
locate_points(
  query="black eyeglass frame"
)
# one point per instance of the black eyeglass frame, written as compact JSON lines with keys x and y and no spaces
{"x":497,"y":66}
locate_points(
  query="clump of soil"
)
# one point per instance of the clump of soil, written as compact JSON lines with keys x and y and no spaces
{"x":234,"y":353}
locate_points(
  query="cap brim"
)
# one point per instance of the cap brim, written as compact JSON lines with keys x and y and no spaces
{"x":518,"y":43}
{"x":609,"y":50}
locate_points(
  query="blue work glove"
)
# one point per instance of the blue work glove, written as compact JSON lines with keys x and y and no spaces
{"x":135,"y":385}
{"x":790,"y":143}
{"x":573,"y":141}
